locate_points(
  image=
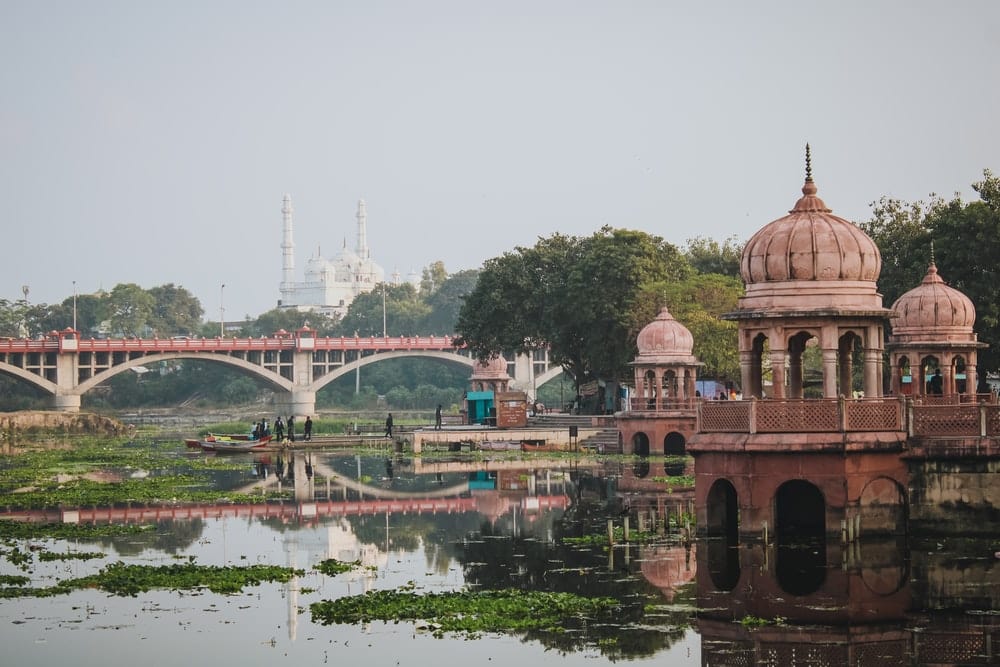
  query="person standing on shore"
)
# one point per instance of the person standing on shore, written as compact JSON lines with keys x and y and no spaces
{"x":307,"y":432}
{"x":279,"y":429}
{"x":291,"y":428}
{"x":388,"y":426}
{"x":437,"y":418}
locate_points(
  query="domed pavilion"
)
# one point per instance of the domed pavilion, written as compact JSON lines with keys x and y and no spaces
{"x":931,"y":332}
{"x":810,"y":279}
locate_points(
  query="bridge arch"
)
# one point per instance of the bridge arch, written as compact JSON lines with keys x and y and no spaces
{"x":271,"y":378}
{"x":352,"y":366}
{"x":31,"y":378}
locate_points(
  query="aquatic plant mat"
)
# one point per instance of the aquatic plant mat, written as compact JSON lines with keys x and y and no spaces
{"x":470,"y":612}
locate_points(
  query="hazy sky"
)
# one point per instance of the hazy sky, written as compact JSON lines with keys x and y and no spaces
{"x":152,"y":142}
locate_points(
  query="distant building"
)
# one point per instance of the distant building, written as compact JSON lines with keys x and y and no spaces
{"x":330,"y":285}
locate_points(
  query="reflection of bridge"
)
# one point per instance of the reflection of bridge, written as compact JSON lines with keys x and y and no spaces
{"x":298,"y":510}
{"x":296,"y":365}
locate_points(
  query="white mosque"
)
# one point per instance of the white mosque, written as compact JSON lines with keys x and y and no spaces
{"x":330,"y":285}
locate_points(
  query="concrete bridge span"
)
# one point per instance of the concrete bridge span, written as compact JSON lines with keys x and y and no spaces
{"x":296,"y":365}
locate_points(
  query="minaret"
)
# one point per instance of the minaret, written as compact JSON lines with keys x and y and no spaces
{"x":362,"y":248}
{"x":287,"y":253}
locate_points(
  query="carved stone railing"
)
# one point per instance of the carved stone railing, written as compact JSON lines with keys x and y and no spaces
{"x":935,"y":418}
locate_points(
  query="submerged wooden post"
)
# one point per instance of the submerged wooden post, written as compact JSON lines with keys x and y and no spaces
{"x":626,"y":528}
{"x":611,"y":532}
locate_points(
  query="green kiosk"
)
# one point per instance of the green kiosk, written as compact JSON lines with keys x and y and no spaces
{"x":480,"y":407}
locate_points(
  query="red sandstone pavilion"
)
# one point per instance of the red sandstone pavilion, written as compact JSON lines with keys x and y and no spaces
{"x":848,"y":461}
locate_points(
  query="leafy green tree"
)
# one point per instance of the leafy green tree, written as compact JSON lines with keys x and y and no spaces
{"x":402,"y":309}
{"x":966,"y":243}
{"x":175,"y":311}
{"x":446,"y":302}
{"x":433,"y":278}
{"x":289,"y":319}
{"x":583,"y":298}
{"x":131,"y":309}
{"x":709,"y":256}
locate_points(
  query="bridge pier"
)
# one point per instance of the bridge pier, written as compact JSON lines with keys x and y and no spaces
{"x":67,"y":402}
{"x":298,"y":402}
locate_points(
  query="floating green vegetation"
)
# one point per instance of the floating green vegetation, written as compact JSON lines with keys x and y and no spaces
{"x":14,"y":530}
{"x":130,"y":580}
{"x":68,"y":555}
{"x":601,"y":539}
{"x":750,"y":621}
{"x":469,"y":612}
{"x":332,"y":566}
{"x":14,"y":580}
{"x":675,"y":481}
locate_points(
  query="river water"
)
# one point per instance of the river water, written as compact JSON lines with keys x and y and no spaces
{"x":511,"y":522}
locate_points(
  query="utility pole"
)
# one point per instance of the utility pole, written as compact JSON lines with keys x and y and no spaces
{"x":222,"y":312}
{"x":74,"y":305}
{"x":384,"y":332}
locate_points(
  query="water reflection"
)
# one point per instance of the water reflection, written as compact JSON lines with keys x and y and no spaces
{"x":446,"y":524}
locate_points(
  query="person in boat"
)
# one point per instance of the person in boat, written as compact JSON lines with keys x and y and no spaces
{"x":255,"y":434}
{"x":279,"y":429}
{"x":307,"y":431}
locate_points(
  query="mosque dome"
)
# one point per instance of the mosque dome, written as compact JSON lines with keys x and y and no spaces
{"x":810,"y":259}
{"x":933,"y":308}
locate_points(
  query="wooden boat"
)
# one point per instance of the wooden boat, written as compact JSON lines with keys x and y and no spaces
{"x":227,"y":446}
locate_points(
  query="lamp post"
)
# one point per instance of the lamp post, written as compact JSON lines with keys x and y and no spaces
{"x":74,"y":305}
{"x":222,"y":312}
{"x":385,"y":334}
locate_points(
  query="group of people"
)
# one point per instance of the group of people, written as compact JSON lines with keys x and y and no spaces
{"x":281,"y":429}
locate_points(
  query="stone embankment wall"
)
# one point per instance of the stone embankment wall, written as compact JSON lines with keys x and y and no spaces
{"x":15,"y":423}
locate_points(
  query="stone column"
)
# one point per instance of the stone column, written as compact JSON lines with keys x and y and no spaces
{"x":829,"y":373}
{"x":66,"y":402}
{"x":870,"y":371}
{"x":777,"y":373}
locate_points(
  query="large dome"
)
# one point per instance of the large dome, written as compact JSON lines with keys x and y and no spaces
{"x":664,"y":339}
{"x":933,"y":308}
{"x":810,"y":259}
{"x":810,"y":243}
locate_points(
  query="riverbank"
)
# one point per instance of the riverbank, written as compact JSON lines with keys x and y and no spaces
{"x":58,"y":423}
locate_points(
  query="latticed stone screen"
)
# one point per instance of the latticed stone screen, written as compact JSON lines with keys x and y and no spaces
{"x":873,"y":416}
{"x":725,"y":416}
{"x":931,"y":420}
{"x":797,"y":416}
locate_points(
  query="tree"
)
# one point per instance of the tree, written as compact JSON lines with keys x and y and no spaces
{"x":446,"y":302}
{"x":289,"y":319}
{"x":175,"y":310}
{"x":433,"y":278}
{"x":709,"y":256}
{"x":966,"y":243}
{"x":402,"y":309}
{"x":131,"y":308}
{"x":582,"y":298}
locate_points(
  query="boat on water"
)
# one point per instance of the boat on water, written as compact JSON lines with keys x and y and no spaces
{"x":538,"y":446}
{"x":230,"y":445}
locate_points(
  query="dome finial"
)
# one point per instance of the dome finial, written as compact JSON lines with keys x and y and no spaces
{"x":933,"y":263}
{"x":809,"y":168}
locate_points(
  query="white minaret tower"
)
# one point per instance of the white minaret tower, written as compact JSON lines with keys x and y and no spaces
{"x":362,"y":248}
{"x":287,"y":252}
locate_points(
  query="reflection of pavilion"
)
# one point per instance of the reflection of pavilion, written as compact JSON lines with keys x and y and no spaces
{"x":840,"y":605}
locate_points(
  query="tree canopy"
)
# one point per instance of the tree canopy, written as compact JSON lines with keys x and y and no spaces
{"x":966,"y":245}
{"x":580,"y":297}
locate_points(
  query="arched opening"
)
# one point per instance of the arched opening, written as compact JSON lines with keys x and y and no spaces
{"x":883,"y":508}
{"x":850,"y":364}
{"x":723,"y":532}
{"x":722,"y":510}
{"x":640,"y":444}
{"x":803,"y":367}
{"x":800,"y":511}
{"x":930,"y":378}
{"x":800,"y":518}
{"x":674,"y":444}
{"x":759,"y":372}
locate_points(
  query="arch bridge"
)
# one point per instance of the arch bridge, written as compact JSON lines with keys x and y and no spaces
{"x":295,"y":365}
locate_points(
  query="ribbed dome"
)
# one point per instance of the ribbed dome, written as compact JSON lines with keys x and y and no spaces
{"x":810,"y":243}
{"x":493,"y":369}
{"x":933,"y":306}
{"x":664,"y":336}
{"x":665,"y":341}
{"x":810,"y":261}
